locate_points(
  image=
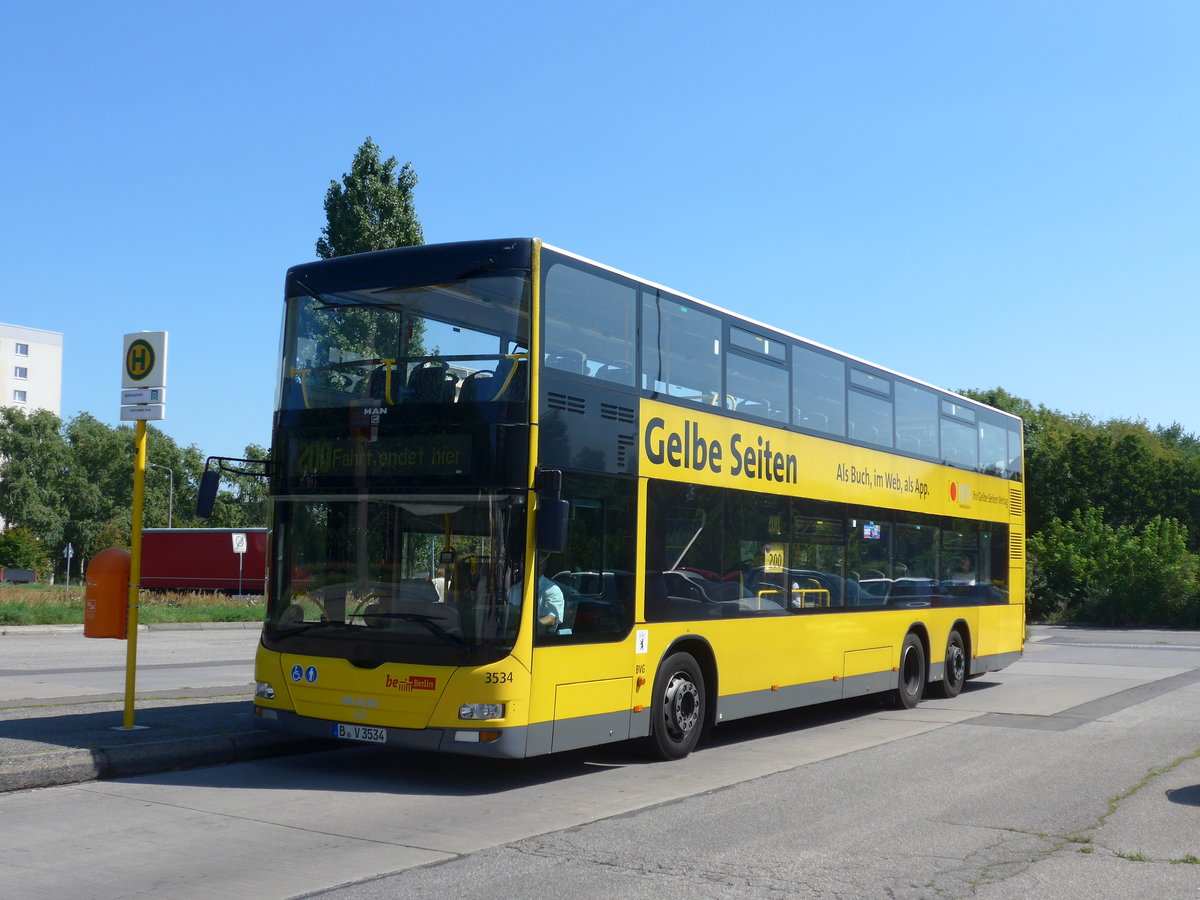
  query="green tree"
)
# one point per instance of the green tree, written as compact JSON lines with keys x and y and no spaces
{"x":20,"y":549}
{"x":372,"y":209}
{"x":99,"y":488}
{"x":73,"y":483}
{"x":34,"y":466}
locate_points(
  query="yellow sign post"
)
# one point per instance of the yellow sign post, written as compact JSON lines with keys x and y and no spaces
{"x":143,"y":379}
{"x":135,"y":571}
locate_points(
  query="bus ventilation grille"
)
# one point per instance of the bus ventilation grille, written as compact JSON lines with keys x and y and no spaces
{"x":625,"y":444}
{"x":1016,"y":501}
{"x":616,"y":413}
{"x":566,"y":403}
{"x":1016,"y":546}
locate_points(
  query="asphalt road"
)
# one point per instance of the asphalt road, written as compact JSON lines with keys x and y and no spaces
{"x":57,"y":663}
{"x":1074,"y":773}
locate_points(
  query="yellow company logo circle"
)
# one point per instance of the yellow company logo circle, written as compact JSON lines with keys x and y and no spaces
{"x":139,"y":360}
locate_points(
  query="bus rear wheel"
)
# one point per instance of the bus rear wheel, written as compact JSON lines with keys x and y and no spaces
{"x":956,"y":666}
{"x":679,"y":710}
{"x":912,"y":674}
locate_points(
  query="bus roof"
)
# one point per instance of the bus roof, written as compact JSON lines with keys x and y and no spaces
{"x":446,"y":261}
{"x":791,"y":336}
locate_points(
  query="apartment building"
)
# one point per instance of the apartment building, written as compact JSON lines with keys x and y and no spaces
{"x":31,"y":368}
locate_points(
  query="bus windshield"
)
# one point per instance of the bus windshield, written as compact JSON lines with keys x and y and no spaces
{"x":379,"y":345}
{"x":419,"y":579}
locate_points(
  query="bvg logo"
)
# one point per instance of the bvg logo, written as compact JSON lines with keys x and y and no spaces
{"x":960,"y":493}
{"x":139,"y":360}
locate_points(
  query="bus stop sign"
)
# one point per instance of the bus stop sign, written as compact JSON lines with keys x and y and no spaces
{"x":145,"y":360}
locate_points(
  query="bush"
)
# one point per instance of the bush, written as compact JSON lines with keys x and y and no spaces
{"x":20,"y":549}
{"x":1085,"y":570}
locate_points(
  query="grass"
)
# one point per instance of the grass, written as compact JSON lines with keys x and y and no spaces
{"x":1134,"y":857}
{"x":45,"y":604}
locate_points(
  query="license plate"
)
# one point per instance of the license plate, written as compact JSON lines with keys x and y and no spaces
{"x":360,"y":733}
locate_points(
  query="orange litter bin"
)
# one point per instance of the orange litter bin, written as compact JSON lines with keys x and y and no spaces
{"x":106,"y":599}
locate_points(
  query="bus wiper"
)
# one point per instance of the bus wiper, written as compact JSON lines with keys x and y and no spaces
{"x":430,"y":624}
{"x":300,"y":628}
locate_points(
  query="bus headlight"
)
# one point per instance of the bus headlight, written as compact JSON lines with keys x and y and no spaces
{"x":481,"y":711}
{"x":264,"y":691}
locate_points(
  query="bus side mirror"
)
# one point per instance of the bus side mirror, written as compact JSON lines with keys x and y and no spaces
{"x":210,"y":480}
{"x":552,"y":511}
{"x":552,"y":525}
{"x":207,"y":496}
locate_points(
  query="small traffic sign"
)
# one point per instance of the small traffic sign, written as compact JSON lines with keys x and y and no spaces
{"x":143,"y":395}
{"x":239,"y":542}
{"x":147,"y":412}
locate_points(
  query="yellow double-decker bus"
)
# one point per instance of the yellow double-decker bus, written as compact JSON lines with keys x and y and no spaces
{"x":525,"y":503}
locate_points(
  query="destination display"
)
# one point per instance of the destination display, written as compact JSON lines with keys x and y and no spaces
{"x":316,"y":461}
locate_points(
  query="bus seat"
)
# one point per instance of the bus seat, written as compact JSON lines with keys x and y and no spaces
{"x":377,"y":386}
{"x":431,"y":383}
{"x":568,"y":361}
{"x":477,"y":387}
{"x":416,"y":590}
{"x":620,"y":372}
{"x":759,"y":408}
{"x":511,"y":380}
{"x":815,"y":421}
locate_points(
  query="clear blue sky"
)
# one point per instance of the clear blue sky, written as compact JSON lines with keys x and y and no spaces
{"x":976,"y":194}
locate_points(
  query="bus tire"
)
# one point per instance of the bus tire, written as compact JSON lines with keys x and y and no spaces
{"x":911,"y":684}
{"x":680,"y":707}
{"x":955,"y":670}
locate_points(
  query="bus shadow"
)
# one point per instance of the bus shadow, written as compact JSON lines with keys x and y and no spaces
{"x":369,"y":769}
{"x":831,"y":713}
{"x":1188,"y":796}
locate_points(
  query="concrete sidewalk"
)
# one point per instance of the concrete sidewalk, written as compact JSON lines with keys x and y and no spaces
{"x":43,"y":745}
{"x":46,"y":742}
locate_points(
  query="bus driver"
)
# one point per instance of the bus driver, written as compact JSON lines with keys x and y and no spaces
{"x":550,"y":603}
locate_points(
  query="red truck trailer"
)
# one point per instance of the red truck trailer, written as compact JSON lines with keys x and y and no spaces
{"x":230,"y":560}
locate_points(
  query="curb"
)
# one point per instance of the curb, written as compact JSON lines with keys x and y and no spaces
{"x":163,"y":626}
{"x":61,"y":767}
{"x":41,"y":629}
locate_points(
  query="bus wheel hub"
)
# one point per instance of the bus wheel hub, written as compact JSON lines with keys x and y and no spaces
{"x":682,"y":705}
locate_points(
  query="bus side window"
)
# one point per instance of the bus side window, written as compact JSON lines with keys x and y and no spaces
{"x":595,"y":569}
{"x":591,"y":323}
{"x":818,"y":391}
{"x":681,"y":350}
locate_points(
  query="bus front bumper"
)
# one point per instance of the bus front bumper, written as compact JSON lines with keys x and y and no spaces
{"x":499,"y":743}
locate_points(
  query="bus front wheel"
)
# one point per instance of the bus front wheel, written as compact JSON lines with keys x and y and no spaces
{"x":912,"y":673}
{"x":679,"y":708}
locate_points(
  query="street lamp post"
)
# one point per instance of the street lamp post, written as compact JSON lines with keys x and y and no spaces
{"x":170,"y":490}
